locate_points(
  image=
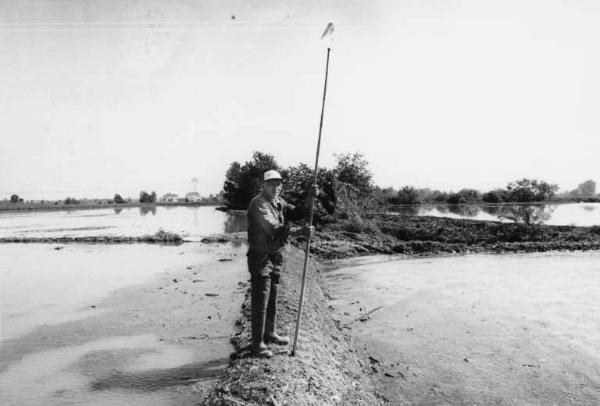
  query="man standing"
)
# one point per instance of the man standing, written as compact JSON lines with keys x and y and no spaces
{"x":267,"y":235}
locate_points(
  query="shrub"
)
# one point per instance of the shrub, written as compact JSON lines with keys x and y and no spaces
{"x":147,"y":198}
{"x":118,"y":199}
{"x":353,"y":169}
{"x":493,"y":196}
{"x":243,"y":182}
{"x":358,"y":225}
{"x":530,"y":190}
{"x":527,"y":215}
{"x":464,"y":196}
{"x":407,"y":195}
{"x":163,"y":235}
{"x":297,"y":182}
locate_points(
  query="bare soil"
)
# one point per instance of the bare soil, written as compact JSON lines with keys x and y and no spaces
{"x":327,"y":368}
{"x":425,"y":235}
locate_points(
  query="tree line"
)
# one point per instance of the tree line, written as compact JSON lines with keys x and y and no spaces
{"x":348,"y":189}
{"x":520,"y":191}
{"x":144,"y":197}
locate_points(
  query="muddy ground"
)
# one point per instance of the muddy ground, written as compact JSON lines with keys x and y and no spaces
{"x":333,"y":368}
{"x":484,"y":329}
{"x":160,"y":342}
{"x":327,"y":369}
{"x":389,"y":234}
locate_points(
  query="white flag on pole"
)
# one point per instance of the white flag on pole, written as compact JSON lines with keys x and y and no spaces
{"x":328,"y":35}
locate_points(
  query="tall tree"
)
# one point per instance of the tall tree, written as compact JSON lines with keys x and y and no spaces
{"x":297,"y":184}
{"x":587,"y":188}
{"x":530,"y":190}
{"x":353,"y":169}
{"x":243,"y":182}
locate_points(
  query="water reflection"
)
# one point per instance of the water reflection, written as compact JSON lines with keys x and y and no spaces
{"x":147,"y":209}
{"x":589,"y":208}
{"x":442,"y":209}
{"x":193,"y":222}
{"x":492,"y":210}
{"x":527,"y":214}
{"x":235,"y":223}
{"x":464,"y":210}
{"x":408,"y":210}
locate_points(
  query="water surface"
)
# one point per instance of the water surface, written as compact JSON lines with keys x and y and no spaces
{"x":477,"y":329}
{"x":577,"y":214}
{"x":116,"y":324}
{"x":192,"y":222}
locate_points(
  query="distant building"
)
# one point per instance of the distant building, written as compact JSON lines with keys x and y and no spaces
{"x":193,"y":197}
{"x":169,"y":197}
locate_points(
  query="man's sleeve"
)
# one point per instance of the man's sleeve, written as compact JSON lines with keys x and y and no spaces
{"x":268,"y":222}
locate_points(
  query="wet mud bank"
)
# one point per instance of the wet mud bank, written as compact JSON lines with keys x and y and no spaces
{"x":328,"y":369}
{"x":161,"y":237}
{"x":413,"y":235}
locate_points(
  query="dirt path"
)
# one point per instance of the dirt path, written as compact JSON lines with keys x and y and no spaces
{"x":327,"y":369}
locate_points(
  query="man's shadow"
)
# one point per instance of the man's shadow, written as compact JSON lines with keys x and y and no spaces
{"x":157,"y":379}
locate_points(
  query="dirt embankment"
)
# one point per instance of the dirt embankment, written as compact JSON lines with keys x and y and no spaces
{"x":159,"y":238}
{"x":326,"y":370}
{"x":435,"y":235}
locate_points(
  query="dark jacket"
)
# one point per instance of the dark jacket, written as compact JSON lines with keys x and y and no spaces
{"x":267,"y":228}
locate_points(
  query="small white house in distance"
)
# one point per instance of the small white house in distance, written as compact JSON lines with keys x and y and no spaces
{"x":193,"y":197}
{"x":169,"y":197}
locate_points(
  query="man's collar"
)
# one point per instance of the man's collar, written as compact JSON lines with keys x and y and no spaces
{"x":276,"y":200}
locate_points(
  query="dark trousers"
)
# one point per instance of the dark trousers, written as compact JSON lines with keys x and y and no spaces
{"x":265,"y":271}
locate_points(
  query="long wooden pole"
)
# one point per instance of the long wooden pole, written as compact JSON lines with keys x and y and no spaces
{"x":312,"y":207}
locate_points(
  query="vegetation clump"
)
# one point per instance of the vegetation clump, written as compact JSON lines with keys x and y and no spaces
{"x":118,"y":199}
{"x":425,"y":235}
{"x":344,"y":192}
{"x":167,"y":236}
{"x":146,"y":197}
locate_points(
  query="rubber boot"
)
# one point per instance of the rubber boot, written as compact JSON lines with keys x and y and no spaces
{"x":259,"y":299}
{"x":270,"y":336}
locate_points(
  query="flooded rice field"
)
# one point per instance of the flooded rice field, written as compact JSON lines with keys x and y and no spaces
{"x":191,"y":222}
{"x":150,"y":325}
{"x":116,"y":324}
{"x":478,"y":329}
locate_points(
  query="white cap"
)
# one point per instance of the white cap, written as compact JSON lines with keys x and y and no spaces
{"x":272,"y":174}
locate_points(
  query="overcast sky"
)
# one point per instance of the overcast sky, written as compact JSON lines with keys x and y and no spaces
{"x":112,"y":96}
